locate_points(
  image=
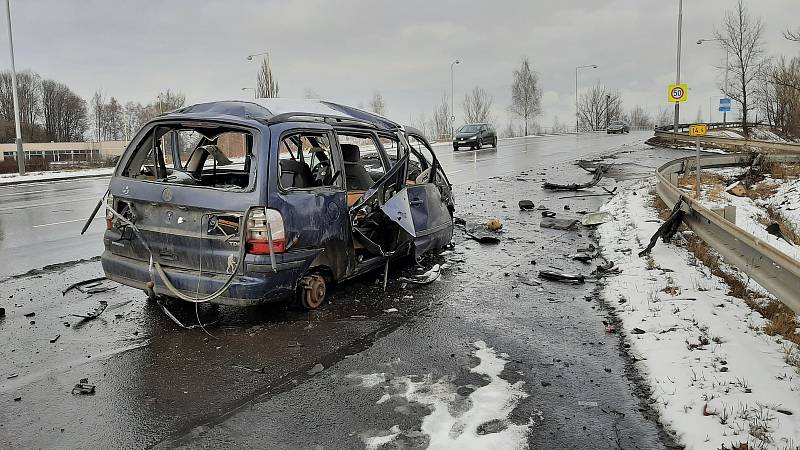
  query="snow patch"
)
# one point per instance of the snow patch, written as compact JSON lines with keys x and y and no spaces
{"x":716,"y":378}
{"x":477,"y":421}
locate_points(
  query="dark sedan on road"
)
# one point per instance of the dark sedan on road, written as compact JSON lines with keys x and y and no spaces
{"x":475,"y":136}
{"x":618,"y":126}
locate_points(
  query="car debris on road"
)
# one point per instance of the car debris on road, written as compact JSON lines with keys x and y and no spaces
{"x":83,"y":388}
{"x":93,"y":314}
{"x":553,"y":275}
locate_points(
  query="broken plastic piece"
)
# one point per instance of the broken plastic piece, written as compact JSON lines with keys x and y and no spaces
{"x":596,"y":218}
{"x":598,"y":174}
{"x":428,"y":277}
{"x":525,"y":205}
{"x":668,"y":228}
{"x":574,"y":278}
{"x":83,"y":388}
{"x":558,"y":224}
{"x":95,"y":312}
{"x":548,"y":214}
{"x":79,"y":284}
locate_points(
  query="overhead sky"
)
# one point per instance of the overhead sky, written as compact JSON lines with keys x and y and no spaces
{"x":346,"y":50}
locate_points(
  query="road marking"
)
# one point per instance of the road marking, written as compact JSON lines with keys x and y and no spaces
{"x":49,"y":203}
{"x":61,"y":223}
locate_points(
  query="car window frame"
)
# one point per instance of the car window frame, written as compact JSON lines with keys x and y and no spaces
{"x":146,"y":130}
{"x":336,"y":154}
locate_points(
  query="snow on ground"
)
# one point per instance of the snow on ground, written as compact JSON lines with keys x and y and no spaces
{"x":749,"y":211}
{"x":725,"y":133}
{"x":478,"y":421}
{"x":7,"y":178}
{"x":717,"y":380}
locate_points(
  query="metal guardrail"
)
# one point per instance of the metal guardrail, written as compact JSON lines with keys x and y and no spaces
{"x":731,"y":143}
{"x":776,"y":271}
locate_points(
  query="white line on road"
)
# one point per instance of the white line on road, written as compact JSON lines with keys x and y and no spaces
{"x":61,"y":223}
{"x":60,"y":202}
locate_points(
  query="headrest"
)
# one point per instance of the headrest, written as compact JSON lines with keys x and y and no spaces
{"x":351,"y":153}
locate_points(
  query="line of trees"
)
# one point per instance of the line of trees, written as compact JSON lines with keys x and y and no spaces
{"x":113,"y":121}
{"x":49,"y":110}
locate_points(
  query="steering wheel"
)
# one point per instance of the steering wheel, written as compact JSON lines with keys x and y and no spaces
{"x":321,"y":172}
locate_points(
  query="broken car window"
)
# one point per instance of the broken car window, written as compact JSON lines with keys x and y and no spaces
{"x":305,"y":161}
{"x":217,"y":157}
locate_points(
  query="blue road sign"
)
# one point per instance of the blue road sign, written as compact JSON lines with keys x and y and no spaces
{"x":724,"y":104}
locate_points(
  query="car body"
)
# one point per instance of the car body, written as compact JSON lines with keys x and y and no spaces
{"x":475,"y":136}
{"x":618,"y":126}
{"x":239,"y":203}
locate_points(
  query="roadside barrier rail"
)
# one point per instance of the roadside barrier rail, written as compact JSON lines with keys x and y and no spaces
{"x":776,"y":271}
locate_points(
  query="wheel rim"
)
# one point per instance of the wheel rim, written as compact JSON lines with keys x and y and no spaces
{"x":314,"y":290}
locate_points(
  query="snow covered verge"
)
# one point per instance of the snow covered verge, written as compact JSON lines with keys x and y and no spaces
{"x":13,"y":178}
{"x":717,"y":380}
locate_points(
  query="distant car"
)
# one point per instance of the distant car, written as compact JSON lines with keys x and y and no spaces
{"x":618,"y":126}
{"x":475,"y":136}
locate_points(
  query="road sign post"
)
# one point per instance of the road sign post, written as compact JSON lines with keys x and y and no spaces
{"x":697,"y":131}
{"x":724,"y":107}
{"x":677,"y":93}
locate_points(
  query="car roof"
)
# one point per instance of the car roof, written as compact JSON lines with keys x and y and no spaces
{"x":276,"y":110}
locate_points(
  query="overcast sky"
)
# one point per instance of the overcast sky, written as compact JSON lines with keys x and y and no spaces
{"x":346,"y":50}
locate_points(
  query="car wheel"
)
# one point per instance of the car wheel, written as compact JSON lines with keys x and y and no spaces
{"x":312,"y":291}
{"x":455,"y":148}
{"x":494,"y":142}
{"x":478,"y":144}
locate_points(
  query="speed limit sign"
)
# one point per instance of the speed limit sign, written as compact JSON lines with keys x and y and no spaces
{"x":677,"y":93}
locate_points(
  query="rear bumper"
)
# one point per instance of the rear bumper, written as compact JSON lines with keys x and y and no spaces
{"x":257,"y":284}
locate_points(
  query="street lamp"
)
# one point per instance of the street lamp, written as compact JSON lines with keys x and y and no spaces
{"x":250,"y":57}
{"x":678,"y":65}
{"x":725,"y":85}
{"x":588,"y":66}
{"x":452,"y":99}
{"x":250,"y":89}
{"x":18,"y":141}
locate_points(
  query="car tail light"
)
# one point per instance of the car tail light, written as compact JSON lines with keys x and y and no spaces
{"x":109,"y":216}
{"x":257,"y":232}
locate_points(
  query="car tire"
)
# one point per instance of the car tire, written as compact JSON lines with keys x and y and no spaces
{"x":312,"y":291}
{"x":455,"y":148}
{"x":478,"y":144}
{"x":494,"y":142}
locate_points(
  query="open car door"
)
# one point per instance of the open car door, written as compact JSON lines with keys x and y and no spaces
{"x":416,"y":209}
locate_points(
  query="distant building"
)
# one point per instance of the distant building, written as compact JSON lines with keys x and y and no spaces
{"x":66,"y":151}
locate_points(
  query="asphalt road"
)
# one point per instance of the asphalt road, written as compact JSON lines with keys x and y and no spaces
{"x":40,"y":222}
{"x":482,"y":352}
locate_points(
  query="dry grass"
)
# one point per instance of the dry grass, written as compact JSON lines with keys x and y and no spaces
{"x":781,"y":170}
{"x":787,"y":228}
{"x":763,"y":189}
{"x":781,"y":319}
{"x":713,"y":183}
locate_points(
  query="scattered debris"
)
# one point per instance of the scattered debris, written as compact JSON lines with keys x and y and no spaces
{"x":13,"y":375}
{"x":607,"y":268}
{"x":582,"y":257}
{"x":596,"y":218}
{"x":775,"y":230}
{"x":527,"y":281}
{"x":16,"y":399}
{"x":428,"y":277}
{"x":574,"y":278}
{"x":53,"y":341}
{"x":587,"y":404}
{"x":598,"y":174}
{"x":83,"y":388}
{"x":548,"y":214}
{"x":668,"y":228}
{"x":637,"y":331}
{"x":483,"y":235}
{"x":737,"y":189}
{"x":92,"y":282}
{"x":390,"y":310}
{"x":2,"y":312}
{"x":95,"y":312}
{"x":525,"y":205}
{"x":30,"y":314}
{"x":316,"y":369}
{"x":259,"y":370}
{"x":494,"y":224}
{"x":558,"y":224}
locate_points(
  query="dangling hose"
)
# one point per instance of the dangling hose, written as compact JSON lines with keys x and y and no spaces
{"x":163,"y":275}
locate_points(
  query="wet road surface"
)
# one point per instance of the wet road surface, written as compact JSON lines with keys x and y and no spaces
{"x":276,"y":377}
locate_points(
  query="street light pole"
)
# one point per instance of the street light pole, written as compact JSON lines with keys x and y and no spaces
{"x":452,"y":99}
{"x":678,"y":65}
{"x":593,"y":66}
{"x":251,"y":89}
{"x":18,"y":141}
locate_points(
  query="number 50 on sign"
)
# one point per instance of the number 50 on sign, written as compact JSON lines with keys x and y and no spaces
{"x":678,"y":93}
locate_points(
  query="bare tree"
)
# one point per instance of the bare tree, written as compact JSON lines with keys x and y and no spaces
{"x":477,"y":106}
{"x":558,"y":126}
{"x":777,"y":94}
{"x":28,"y":87}
{"x":742,"y":37}
{"x":639,"y":118}
{"x":266,"y":85}
{"x":597,"y":107}
{"x":98,"y":104}
{"x":792,"y":35}
{"x":377,"y":105}
{"x":664,"y":117}
{"x":63,"y":112}
{"x":421,"y":123}
{"x":441,"y":117}
{"x":526,"y":95}
{"x":114,"y":120}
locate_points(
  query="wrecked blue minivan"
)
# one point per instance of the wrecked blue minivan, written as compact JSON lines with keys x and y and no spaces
{"x":239,"y":203}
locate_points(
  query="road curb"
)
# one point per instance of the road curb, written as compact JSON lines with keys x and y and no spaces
{"x":50,"y":180}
